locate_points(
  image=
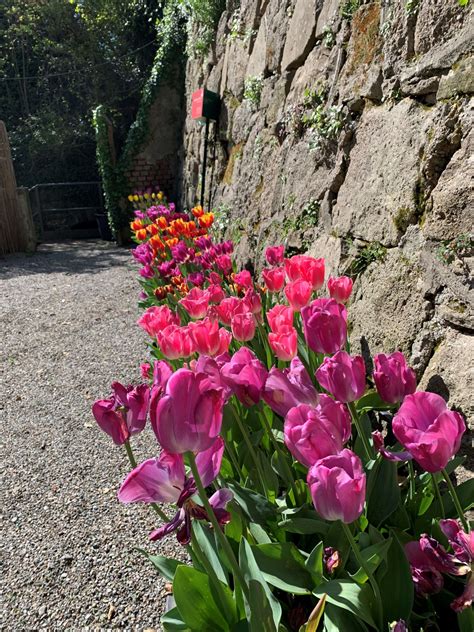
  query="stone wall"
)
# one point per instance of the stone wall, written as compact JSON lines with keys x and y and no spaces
{"x":373,"y":170}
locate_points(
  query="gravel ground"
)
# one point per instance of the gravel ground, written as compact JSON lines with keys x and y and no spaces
{"x":67,"y":317}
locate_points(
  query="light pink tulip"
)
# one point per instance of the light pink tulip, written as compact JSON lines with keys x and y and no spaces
{"x":280,"y":318}
{"x":274,"y":278}
{"x":243,"y":326}
{"x":155,"y":319}
{"x":307,"y":268}
{"x":176,"y":342}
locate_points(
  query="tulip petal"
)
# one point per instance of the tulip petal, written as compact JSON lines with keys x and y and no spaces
{"x":154,"y":480}
{"x":209,"y":462}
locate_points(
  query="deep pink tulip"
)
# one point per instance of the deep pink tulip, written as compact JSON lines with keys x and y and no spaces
{"x":196,"y":302}
{"x":145,"y":370}
{"x":215,"y":279}
{"x":274,"y":278}
{"x":343,"y":376}
{"x":215,"y":294}
{"x":188,"y":416}
{"x":124,"y":413}
{"x":224,"y":263}
{"x":225,"y":338}
{"x":284,"y":344}
{"x":226,"y":309}
{"x":162,"y":372}
{"x":280,"y":318}
{"x":340,"y":288}
{"x":426,"y":427}
{"x":212,"y":368}
{"x":243,"y":326}
{"x":111,"y":421}
{"x":287,"y":388}
{"x":155,"y":319}
{"x":164,"y":479}
{"x":307,"y":268}
{"x":206,"y":337}
{"x":244,"y":279}
{"x":252,"y":301}
{"x":298,"y":294}
{"x":313,"y":433}
{"x":337,"y":486}
{"x":393,"y":378}
{"x":275,"y":255}
{"x":324,"y":325}
{"x":176,"y":342}
{"x":246,"y":376}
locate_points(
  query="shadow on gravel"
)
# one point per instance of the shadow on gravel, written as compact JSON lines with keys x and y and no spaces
{"x":67,"y":257}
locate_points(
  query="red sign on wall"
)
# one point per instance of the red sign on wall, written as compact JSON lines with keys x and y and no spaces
{"x":205,"y":105}
{"x":197,"y":104}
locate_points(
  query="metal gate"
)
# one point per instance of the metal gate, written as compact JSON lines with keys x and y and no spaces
{"x":67,"y":209}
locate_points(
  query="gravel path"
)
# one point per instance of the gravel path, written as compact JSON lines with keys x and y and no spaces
{"x":67,"y":317}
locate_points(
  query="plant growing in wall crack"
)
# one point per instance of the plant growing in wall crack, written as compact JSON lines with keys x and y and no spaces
{"x":253,"y":90}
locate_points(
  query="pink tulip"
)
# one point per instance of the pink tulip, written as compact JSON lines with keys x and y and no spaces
{"x":431,"y":432}
{"x":215,"y":294}
{"x":161,"y":373}
{"x":307,"y":268}
{"x":324,"y":325}
{"x":280,"y":318}
{"x":340,"y":288}
{"x":246,"y":376}
{"x":164,"y":479}
{"x":343,"y":376}
{"x":145,"y":369}
{"x":225,"y":338}
{"x":284,"y":344}
{"x":188,"y":417}
{"x":252,"y":302}
{"x":155,"y":319}
{"x":215,"y":279}
{"x":124,"y":413}
{"x":244,"y":279}
{"x":314,"y":433}
{"x":393,"y":378}
{"x":243,"y":326}
{"x":225,"y":310}
{"x":176,"y":342}
{"x":337,"y":486}
{"x":287,"y":388}
{"x":224,"y":263}
{"x":298,"y":294}
{"x":275,"y":255}
{"x":274,"y":278}
{"x":205,"y":335}
{"x":196,"y":302}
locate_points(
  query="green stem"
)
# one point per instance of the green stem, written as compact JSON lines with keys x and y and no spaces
{"x":411,"y":477}
{"x":373,"y":583}
{"x":233,"y":457}
{"x":238,"y":575}
{"x":133,"y":463}
{"x":438,"y":495}
{"x":456,"y":502}
{"x":355,"y":418}
{"x":250,"y":447}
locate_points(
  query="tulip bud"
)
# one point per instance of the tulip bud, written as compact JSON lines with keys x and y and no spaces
{"x":340,"y":288}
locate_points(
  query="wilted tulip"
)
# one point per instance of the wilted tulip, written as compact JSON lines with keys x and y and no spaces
{"x":428,"y":429}
{"x":337,"y":486}
{"x":188,"y":416}
{"x":124,"y":413}
{"x":324,"y":324}
{"x":340,"y":288}
{"x":343,"y":376}
{"x":287,"y":388}
{"x":393,"y":378}
{"x":312,"y":433}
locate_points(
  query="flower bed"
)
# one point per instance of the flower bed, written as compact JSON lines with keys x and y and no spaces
{"x":310,"y":492}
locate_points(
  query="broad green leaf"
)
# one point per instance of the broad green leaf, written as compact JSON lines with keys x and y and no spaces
{"x":166,"y":565}
{"x":283,"y":566}
{"x":194,"y":596}
{"x":339,"y":620}
{"x":395,"y":583}
{"x":314,"y":563}
{"x":384,"y":494}
{"x":346,"y":594}
{"x":372,"y":401}
{"x":302,"y":520}
{"x":256,"y":506}
{"x":259,"y":534}
{"x":260,"y":615}
{"x":207,"y":543}
{"x":373,"y":556}
{"x":260,"y":594}
{"x":466,"y":620}
{"x":171,"y":621}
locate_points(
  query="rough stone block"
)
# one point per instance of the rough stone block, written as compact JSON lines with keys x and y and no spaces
{"x":301,"y":34}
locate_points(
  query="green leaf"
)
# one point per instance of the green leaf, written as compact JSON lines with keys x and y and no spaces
{"x":259,"y":534}
{"x":345,"y":594}
{"x":466,"y":620}
{"x":465,"y":493}
{"x":373,"y":556}
{"x":463,"y":3}
{"x":206,"y":541}
{"x":172,"y":621}
{"x":256,"y":506}
{"x":395,"y":583}
{"x":302,"y":520}
{"x":166,"y":565}
{"x":339,"y":620}
{"x":384,"y":494}
{"x":195,"y":600}
{"x":263,"y":605}
{"x":372,"y":401}
{"x":314,"y":563}
{"x":283,"y":566}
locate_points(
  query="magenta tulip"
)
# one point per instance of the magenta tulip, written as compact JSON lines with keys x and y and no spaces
{"x":431,"y":432}
{"x":275,"y":255}
{"x":287,"y":388}
{"x":188,"y":416}
{"x":110,"y":421}
{"x":298,"y":294}
{"x":124,"y":413}
{"x":244,"y":279}
{"x":337,"y":486}
{"x":343,"y":376}
{"x":393,"y":378}
{"x":340,"y":288}
{"x":246,"y":376}
{"x":324,"y":324}
{"x":314,"y":433}
{"x":284,"y":344}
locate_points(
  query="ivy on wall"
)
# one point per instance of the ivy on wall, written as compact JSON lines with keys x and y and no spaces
{"x":186,"y":28}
